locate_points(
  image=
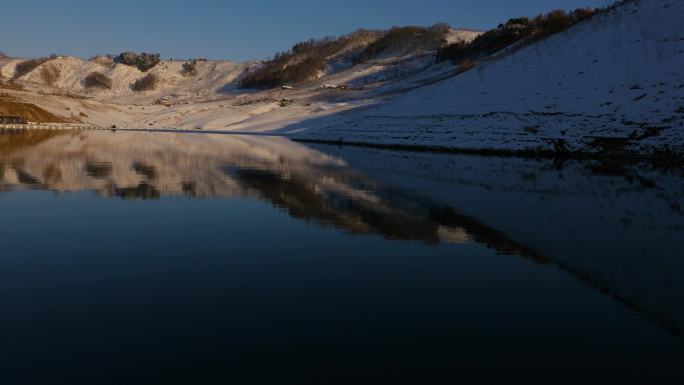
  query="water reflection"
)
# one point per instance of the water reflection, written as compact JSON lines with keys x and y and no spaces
{"x":618,"y":226}
{"x":615,"y":227}
{"x":307,"y":184}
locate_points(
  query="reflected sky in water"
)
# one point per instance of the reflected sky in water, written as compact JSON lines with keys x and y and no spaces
{"x":192,"y":258}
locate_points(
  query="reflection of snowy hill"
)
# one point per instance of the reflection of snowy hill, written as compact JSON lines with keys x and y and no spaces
{"x":166,"y":164}
{"x":305,"y":183}
{"x":619,"y":228}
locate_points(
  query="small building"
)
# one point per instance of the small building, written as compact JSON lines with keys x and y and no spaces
{"x":12,"y":120}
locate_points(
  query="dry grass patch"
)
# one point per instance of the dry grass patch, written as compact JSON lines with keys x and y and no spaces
{"x":105,"y":61}
{"x":27,"y":66}
{"x":50,"y":73}
{"x":306,"y":60}
{"x":513,"y":31}
{"x":97,"y":80}
{"x":404,"y":40}
{"x":146,"y":83}
{"x":11,"y":85}
{"x":189,"y":68}
{"x":11,"y":106}
{"x":466,"y":65}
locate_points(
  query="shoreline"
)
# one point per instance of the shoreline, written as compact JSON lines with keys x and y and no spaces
{"x":538,"y":154}
{"x":676,"y":160}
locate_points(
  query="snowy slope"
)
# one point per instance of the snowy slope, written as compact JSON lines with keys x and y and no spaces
{"x":461,"y":35}
{"x":618,"y":75}
{"x":211,"y":78}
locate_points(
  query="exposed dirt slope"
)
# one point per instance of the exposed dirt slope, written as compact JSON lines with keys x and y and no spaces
{"x":12,"y":106}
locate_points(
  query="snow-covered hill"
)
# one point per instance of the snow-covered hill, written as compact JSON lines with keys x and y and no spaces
{"x":214,"y":80}
{"x":612,"y":83}
{"x":211,"y":78}
{"x":210,"y":98}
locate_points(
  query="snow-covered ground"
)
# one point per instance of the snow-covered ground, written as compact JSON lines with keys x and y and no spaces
{"x":618,"y":75}
{"x":210,"y":99}
{"x":212,"y":78}
{"x":612,"y":84}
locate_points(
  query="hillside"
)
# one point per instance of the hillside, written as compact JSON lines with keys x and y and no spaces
{"x":215,"y":95}
{"x":579,"y":82}
{"x":11,"y":106}
{"x":613,"y":83}
{"x":209,"y":79}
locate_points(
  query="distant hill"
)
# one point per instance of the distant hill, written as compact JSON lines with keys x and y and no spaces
{"x":68,"y":74}
{"x":198,"y":80}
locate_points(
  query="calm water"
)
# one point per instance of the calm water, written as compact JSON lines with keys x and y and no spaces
{"x":140,"y":258}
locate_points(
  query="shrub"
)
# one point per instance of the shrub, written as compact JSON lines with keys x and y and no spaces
{"x":554,"y":22}
{"x":50,"y":73}
{"x":485,"y":44}
{"x":27,"y":66}
{"x":329,"y":46}
{"x":97,"y":80}
{"x":144,"y":61}
{"x":305,"y":60}
{"x":406,"y":39}
{"x":279,"y":71}
{"x":189,"y":68}
{"x":583,"y":13}
{"x":456,"y":51}
{"x":524,"y":21}
{"x":146,"y":83}
{"x":512,"y":31}
{"x":466,"y":65}
{"x":105,"y":61}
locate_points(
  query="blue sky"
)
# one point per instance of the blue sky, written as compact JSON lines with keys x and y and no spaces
{"x":236,"y":30}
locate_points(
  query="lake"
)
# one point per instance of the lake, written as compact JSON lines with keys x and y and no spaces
{"x":166,"y":258}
